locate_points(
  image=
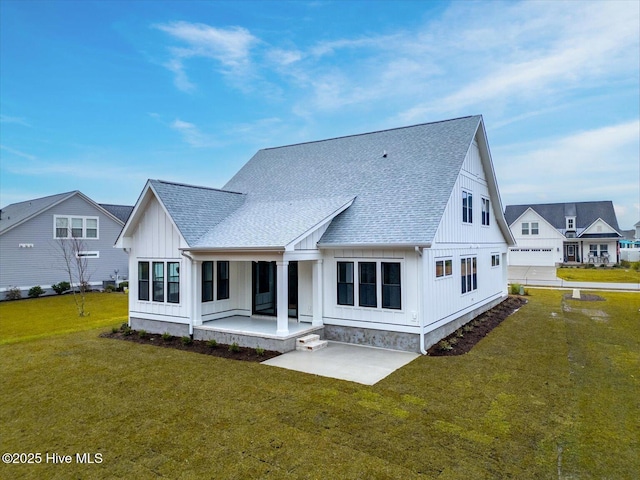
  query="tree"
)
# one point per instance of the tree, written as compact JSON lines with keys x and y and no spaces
{"x":76,"y":267}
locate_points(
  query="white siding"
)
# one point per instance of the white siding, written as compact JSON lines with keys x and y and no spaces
{"x":547,"y":238}
{"x":369,"y":317}
{"x":156,"y":239}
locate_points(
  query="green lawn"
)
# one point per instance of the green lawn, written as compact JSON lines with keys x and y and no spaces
{"x":551,"y":393}
{"x":614,"y":275}
{"x":29,"y":319}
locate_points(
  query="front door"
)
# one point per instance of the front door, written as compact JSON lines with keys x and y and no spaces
{"x":264,"y":286}
{"x":571,"y":253}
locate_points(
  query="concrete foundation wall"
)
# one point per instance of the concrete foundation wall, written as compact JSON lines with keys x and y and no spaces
{"x":251,"y":341}
{"x":409,"y":342}
{"x":158,"y":326}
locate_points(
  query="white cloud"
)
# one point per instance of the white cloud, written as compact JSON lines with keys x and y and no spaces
{"x":230,"y":47}
{"x":16,"y":120}
{"x":17,"y":153}
{"x":192,"y":134}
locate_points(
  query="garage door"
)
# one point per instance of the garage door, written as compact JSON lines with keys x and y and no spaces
{"x":534,"y":257}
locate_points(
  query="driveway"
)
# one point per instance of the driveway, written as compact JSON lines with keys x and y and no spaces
{"x":526,"y":275}
{"x":356,"y":363}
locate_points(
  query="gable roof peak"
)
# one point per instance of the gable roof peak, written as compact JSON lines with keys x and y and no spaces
{"x":178,"y":184}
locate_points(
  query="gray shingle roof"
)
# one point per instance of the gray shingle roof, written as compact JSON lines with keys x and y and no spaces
{"x":401,"y":196}
{"x":18,"y":212}
{"x":196,"y":210}
{"x":585,"y":212}
{"x":271,"y":224}
{"x":121,"y":212}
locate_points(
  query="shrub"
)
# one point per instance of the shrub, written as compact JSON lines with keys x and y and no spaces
{"x":110,"y":288}
{"x":602,"y":266}
{"x":166,"y":336}
{"x":115,"y":329}
{"x":143,"y":333}
{"x":234,"y":347}
{"x":444,"y":345}
{"x":13,"y":293}
{"x":35,"y":292}
{"x":635,"y":266}
{"x":468,"y":328}
{"x":515,"y":288}
{"x":122,"y":286}
{"x":127,"y":331}
{"x":124,"y":326}
{"x":259,"y":351}
{"x":186,"y":340}
{"x":61,"y":287}
{"x":590,"y":265}
{"x":459,"y":333}
{"x":212,"y":343}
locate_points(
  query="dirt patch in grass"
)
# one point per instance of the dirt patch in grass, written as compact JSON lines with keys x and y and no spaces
{"x":196,"y":346}
{"x":465,"y":338}
{"x":584,"y":297}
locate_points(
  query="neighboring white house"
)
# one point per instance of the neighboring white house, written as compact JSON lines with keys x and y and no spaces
{"x":393,"y":238}
{"x":31,"y":233}
{"x":554,"y":233}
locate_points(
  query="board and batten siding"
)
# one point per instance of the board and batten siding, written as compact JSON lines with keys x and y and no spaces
{"x":156,"y":239}
{"x":547,"y":238}
{"x":39,"y":261}
{"x":404,"y":319}
{"x":455,"y":240}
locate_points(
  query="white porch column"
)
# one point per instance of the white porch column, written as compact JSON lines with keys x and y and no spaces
{"x":317,"y":293}
{"x":282,"y":276}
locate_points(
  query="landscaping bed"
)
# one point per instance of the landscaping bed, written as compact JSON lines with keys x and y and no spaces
{"x":464,"y":339}
{"x":234,"y":351}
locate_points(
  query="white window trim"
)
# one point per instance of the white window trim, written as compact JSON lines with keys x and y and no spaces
{"x":444,"y":268}
{"x":485,"y":201}
{"x":469,"y":208}
{"x":84,"y":227}
{"x":356,"y":282}
{"x":528,"y":224}
{"x":498,"y":260}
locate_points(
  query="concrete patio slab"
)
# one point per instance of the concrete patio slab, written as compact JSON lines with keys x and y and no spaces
{"x":355,"y":363}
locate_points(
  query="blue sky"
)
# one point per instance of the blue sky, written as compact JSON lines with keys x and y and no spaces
{"x":100,"y":96}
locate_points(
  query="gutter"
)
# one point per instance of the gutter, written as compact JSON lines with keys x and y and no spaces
{"x":421,"y":301}
{"x":186,"y":255}
{"x":373,"y":245}
{"x":232,"y":249}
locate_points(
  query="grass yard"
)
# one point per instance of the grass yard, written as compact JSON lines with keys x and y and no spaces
{"x":609,"y":275}
{"x":29,"y":319}
{"x":550,"y":393}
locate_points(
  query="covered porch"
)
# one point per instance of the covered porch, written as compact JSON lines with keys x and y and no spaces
{"x":255,"y":332}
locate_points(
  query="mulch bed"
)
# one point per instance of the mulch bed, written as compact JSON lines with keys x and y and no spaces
{"x":482,"y":325}
{"x":476,"y":329}
{"x":197,"y":346}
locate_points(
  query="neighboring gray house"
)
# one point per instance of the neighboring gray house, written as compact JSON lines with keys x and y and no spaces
{"x":392,"y":238}
{"x":553,"y":233}
{"x":31,"y":233}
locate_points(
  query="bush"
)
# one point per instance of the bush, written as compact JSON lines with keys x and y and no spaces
{"x":590,"y":265}
{"x":115,"y":329}
{"x":122,"y":286}
{"x":515,"y":288}
{"x":444,"y":345}
{"x":259,"y":351}
{"x":110,"y":288}
{"x":166,"y":336}
{"x":234,"y":347}
{"x":187,"y":340}
{"x":212,"y":343}
{"x":143,"y":333}
{"x":61,"y":287}
{"x":35,"y":292}
{"x":13,"y":293}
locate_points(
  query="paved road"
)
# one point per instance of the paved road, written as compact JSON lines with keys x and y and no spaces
{"x":546,"y":277}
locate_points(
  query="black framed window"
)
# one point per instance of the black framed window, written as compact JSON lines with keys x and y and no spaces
{"x":207,"y":281}
{"x":467,"y":207}
{"x":223,"y":280}
{"x":367,"y":284}
{"x":158,"y":281}
{"x":485,"y":211}
{"x":391,"y":290}
{"x":173,"y":282}
{"x":345,"y":283}
{"x":143,"y":280}
{"x":469,"y":274}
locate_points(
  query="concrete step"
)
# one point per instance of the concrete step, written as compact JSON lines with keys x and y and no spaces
{"x":312,"y":345}
{"x":312,"y":337}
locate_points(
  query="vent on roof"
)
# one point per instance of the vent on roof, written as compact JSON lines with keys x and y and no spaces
{"x":384,"y":154}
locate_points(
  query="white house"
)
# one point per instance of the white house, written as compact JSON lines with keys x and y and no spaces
{"x":31,"y":232}
{"x":554,"y":233}
{"x":392,"y":238}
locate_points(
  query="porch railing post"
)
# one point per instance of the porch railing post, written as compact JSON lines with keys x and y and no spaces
{"x":317,"y":294}
{"x":282,"y":277}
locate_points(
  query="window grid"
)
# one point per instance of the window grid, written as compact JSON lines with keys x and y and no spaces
{"x":143,"y":281}
{"x":367,"y":284}
{"x":345,"y":283}
{"x":223,"y":280}
{"x":469,"y":274}
{"x":467,"y":207}
{"x":485,"y":211}
{"x":207,"y":281}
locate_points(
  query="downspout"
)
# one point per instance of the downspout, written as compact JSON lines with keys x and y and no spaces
{"x":191,"y":304}
{"x":421,"y":299}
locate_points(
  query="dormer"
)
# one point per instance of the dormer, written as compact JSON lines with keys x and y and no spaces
{"x":570,"y":224}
